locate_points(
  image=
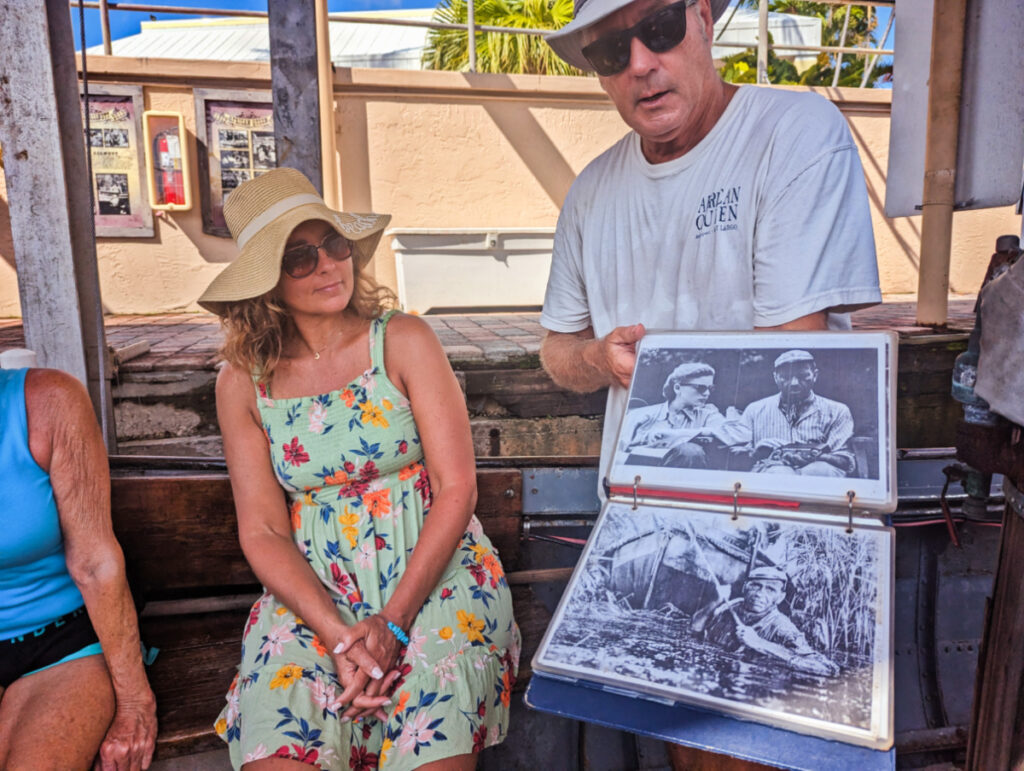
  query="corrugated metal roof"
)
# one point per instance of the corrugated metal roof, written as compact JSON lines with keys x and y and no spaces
{"x":352,"y":45}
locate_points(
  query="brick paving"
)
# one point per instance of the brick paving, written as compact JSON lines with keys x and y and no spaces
{"x":190,"y":340}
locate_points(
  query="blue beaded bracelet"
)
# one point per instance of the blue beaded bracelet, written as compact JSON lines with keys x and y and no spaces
{"x":397,"y":631}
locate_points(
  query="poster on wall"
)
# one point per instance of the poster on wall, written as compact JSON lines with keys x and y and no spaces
{"x":113,"y":129}
{"x":236,"y":144}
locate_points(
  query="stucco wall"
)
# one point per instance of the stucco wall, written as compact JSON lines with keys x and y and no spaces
{"x":441,"y":149}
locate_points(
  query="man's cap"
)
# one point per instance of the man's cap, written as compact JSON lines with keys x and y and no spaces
{"x":767,"y":573}
{"x":568,"y":41}
{"x":790,"y":357}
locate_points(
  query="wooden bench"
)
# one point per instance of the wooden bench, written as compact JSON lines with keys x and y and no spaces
{"x":194,"y":588}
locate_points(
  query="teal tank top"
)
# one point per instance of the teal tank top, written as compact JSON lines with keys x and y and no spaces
{"x":35,"y":586}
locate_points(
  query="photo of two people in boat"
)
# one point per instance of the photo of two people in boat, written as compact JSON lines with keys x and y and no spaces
{"x":711,"y":411}
{"x":783,"y":621}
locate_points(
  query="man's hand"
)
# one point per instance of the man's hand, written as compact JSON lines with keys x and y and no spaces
{"x":615,"y":353}
{"x":129,"y":743}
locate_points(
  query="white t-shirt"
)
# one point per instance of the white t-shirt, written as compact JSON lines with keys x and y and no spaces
{"x":764,"y":221}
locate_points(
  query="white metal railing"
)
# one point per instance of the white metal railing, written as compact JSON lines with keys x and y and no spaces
{"x":471,"y":29}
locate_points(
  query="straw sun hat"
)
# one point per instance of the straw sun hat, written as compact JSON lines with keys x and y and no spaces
{"x":261,"y":214}
{"x":568,"y":41}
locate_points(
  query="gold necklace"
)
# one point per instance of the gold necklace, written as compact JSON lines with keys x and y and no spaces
{"x":328,"y":344}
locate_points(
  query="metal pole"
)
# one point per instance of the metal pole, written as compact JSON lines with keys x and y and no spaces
{"x":874,"y":59}
{"x":105,"y":27}
{"x":946,"y":75}
{"x":842,"y":42}
{"x":471,"y":31}
{"x":762,"y":41}
{"x":325,"y":80}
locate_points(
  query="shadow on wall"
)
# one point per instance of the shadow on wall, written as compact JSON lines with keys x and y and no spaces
{"x":540,"y":155}
{"x":877,"y":200}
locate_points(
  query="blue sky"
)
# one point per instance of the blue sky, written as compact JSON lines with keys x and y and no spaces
{"x":124,"y":23}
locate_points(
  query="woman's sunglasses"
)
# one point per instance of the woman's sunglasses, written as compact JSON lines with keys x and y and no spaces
{"x":659,"y":31}
{"x":302,"y":260}
{"x":700,"y":388}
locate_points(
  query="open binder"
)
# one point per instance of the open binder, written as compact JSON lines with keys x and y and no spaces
{"x":740,"y":565}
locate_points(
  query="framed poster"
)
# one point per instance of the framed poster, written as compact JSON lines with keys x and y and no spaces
{"x":114,"y":141}
{"x":776,"y":619}
{"x":794,"y":416}
{"x":236,"y":143}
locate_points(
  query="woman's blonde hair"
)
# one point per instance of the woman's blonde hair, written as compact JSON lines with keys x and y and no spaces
{"x":255,"y":329}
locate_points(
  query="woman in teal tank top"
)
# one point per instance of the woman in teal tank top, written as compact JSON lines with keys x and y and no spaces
{"x":72,"y":683}
{"x":384,"y":637}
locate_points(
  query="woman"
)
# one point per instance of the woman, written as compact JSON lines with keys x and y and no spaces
{"x":72,"y":683}
{"x":385,"y":633}
{"x":674,"y":432}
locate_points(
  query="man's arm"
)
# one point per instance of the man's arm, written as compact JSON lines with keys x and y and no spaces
{"x":582,"y":363}
{"x":810,"y":323}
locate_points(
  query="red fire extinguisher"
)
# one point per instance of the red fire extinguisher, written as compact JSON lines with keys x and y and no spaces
{"x":170,"y":182}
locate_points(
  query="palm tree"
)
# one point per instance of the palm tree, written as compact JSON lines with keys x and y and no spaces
{"x":848,"y":25}
{"x":446,"y":49}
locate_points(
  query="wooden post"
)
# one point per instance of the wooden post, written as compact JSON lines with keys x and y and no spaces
{"x":325,"y":80}
{"x":294,"y":87}
{"x":49,"y":196}
{"x":995,"y":741}
{"x":946,"y":75}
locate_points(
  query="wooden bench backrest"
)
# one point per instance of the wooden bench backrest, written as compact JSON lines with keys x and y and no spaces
{"x":180,"y":535}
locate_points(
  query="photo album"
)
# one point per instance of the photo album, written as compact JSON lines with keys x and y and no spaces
{"x":741,"y":562}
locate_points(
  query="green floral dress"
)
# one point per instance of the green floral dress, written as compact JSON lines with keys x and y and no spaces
{"x":352,"y":466}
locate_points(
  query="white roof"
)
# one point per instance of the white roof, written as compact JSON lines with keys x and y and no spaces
{"x":388,"y":46}
{"x":783,"y":27}
{"x":242,"y":39}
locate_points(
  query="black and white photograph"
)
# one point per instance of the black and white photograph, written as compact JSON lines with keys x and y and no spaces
{"x":233,"y":139}
{"x":232,"y":178}
{"x":95,"y":137}
{"x":115,"y":137}
{"x":264,"y":152}
{"x":782,"y":621}
{"x":234,"y":159}
{"x":112,"y":194}
{"x":802,"y":414}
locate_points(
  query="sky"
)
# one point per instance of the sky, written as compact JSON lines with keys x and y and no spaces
{"x":124,"y":23}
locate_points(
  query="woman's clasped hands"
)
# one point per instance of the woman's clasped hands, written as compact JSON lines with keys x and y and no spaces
{"x":366,"y":660}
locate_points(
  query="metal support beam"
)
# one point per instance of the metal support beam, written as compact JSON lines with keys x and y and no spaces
{"x":938,"y":195}
{"x":49,"y":196}
{"x":762,"y":41}
{"x":471,"y":34}
{"x":105,"y":27}
{"x":294,"y":87}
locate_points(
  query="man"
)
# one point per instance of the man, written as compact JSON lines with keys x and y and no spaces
{"x":754,"y":622}
{"x":795,"y":431}
{"x":725,"y":208}
{"x":669,"y":434}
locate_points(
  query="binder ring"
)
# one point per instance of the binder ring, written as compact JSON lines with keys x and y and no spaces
{"x":736,"y":501}
{"x":849,"y":500}
{"x":636,"y":484}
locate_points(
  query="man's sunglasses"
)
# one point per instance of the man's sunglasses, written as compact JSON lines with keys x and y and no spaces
{"x":659,"y":31}
{"x":302,"y":260}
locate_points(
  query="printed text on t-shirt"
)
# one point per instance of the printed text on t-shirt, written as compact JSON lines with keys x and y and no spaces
{"x":718,"y":211}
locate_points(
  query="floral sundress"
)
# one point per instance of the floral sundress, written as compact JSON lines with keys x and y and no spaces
{"x":351,"y":464}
